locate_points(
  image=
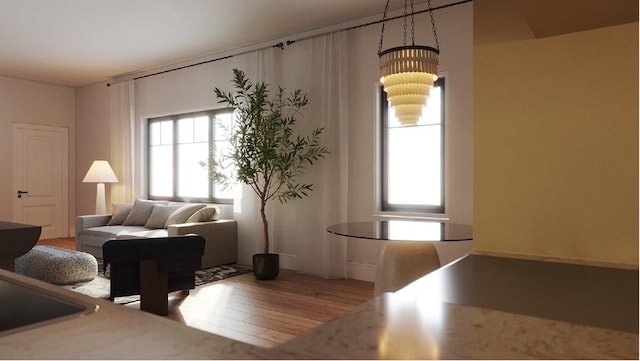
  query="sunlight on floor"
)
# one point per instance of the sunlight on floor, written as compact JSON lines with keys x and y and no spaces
{"x":217,"y":296}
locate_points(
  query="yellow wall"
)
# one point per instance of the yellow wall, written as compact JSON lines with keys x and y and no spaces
{"x":555,"y":140}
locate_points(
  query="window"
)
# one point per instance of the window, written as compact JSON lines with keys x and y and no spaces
{"x":176,"y":147}
{"x":411,"y":169}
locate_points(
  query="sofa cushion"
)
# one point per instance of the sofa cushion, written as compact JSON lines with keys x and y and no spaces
{"x":96,"y":236}
{"x":159,"y":215}
{"x":141,"y":212}
{"x":207,"y":213}
{"x":145,"y":233}
{"x":183,"y":213}
{"x":120,"y":213}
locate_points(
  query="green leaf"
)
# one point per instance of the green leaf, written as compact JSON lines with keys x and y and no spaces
{"x":266,"y":152}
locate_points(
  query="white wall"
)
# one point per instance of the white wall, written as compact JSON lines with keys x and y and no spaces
{"x":455,"y":31}
{"x":92,"y":143}
{"x":191,"y":89}
{"x":24,"y":101}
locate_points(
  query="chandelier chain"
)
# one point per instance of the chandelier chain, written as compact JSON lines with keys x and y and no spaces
{"x":433,"y":26}
{"x":404,"y":42}
{"x":384,"y":20}
{"x":404,"y":18}
{"x":413,"y":30}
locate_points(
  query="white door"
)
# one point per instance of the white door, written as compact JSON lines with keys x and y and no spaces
{"x":40,"y":178}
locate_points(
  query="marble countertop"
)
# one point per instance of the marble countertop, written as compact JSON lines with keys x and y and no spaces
{"x":483,"y":307}
{"x":410,"y":323}
{"x":115,"y":332}
{"x":401,"y":327}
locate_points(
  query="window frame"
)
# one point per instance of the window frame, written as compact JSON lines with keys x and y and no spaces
{"x":383,"y":159}
{"x":175,"y":118}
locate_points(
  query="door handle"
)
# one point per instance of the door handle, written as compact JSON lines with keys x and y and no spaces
{"x":20,"y":193}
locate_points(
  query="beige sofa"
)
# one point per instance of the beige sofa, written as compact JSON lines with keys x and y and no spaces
{"x":144,"y":219}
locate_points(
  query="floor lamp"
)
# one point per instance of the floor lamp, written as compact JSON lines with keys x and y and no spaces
{"x":100,"y":172}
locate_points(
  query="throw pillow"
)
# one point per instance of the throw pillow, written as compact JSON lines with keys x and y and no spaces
{"x":208,"y":213}
{"x":159,"y":215}
{"x":182,"y":214}
{"x":140,"y":212}
{"x":120,"y":213}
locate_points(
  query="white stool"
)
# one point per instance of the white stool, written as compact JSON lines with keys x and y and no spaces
{"x":402,"y":262}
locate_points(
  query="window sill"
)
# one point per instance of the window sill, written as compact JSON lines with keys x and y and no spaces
{"x":408,"y":215}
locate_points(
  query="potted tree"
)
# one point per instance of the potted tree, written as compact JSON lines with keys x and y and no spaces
{"x":265,"y":152}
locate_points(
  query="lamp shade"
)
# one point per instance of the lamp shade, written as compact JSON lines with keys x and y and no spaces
{"x":100,"y":172}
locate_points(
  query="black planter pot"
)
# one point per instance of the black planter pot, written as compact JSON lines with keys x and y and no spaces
{"x":266,"y":265}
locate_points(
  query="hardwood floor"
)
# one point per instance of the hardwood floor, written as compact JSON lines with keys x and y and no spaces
{"x":68,"y":243}
{"x":261,"y":313}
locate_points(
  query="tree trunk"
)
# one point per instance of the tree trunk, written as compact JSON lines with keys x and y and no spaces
{"x":265,"y":225}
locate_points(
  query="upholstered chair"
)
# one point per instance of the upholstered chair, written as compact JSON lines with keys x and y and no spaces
{"x":153,"y":267}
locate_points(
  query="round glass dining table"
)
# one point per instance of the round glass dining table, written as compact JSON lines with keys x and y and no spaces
{"x":405,"y":230}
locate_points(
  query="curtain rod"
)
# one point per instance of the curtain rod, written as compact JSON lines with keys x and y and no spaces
{"x":289,"y":42}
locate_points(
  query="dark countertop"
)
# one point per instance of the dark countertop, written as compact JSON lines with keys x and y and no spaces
{"x":587,"y":295}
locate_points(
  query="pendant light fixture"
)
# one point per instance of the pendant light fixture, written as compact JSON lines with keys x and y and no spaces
{"x":408,"y":72}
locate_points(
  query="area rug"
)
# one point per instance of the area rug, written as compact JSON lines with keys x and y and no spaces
{"x":99,"y":287}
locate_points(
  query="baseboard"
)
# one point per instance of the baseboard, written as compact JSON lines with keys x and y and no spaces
{"x":547,"y":258}
{"x":288,"y":261}
{"x":355,"y":271}
{"x":361,"y":271}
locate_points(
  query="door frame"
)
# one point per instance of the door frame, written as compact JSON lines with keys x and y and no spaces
{"x":64,"y":181}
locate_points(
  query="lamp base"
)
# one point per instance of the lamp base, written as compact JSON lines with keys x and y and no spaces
{"x":101,"y":204}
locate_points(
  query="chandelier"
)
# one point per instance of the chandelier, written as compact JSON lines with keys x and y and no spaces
{"x":408,"y":72}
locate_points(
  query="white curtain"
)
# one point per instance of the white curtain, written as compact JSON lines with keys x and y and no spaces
{"x":298,"y":229}
{"x":259,"y":67}
{"x":263,"y":66}
{"x":122,"y":117}
{"x":329,"y":69}
{"x":318,"y":67}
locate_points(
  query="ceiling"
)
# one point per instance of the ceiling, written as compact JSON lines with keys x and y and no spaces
{"x":79,"y":42}
{"x":555,"y":17}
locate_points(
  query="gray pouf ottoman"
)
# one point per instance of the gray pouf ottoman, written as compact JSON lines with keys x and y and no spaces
{"x":57,"y":265}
